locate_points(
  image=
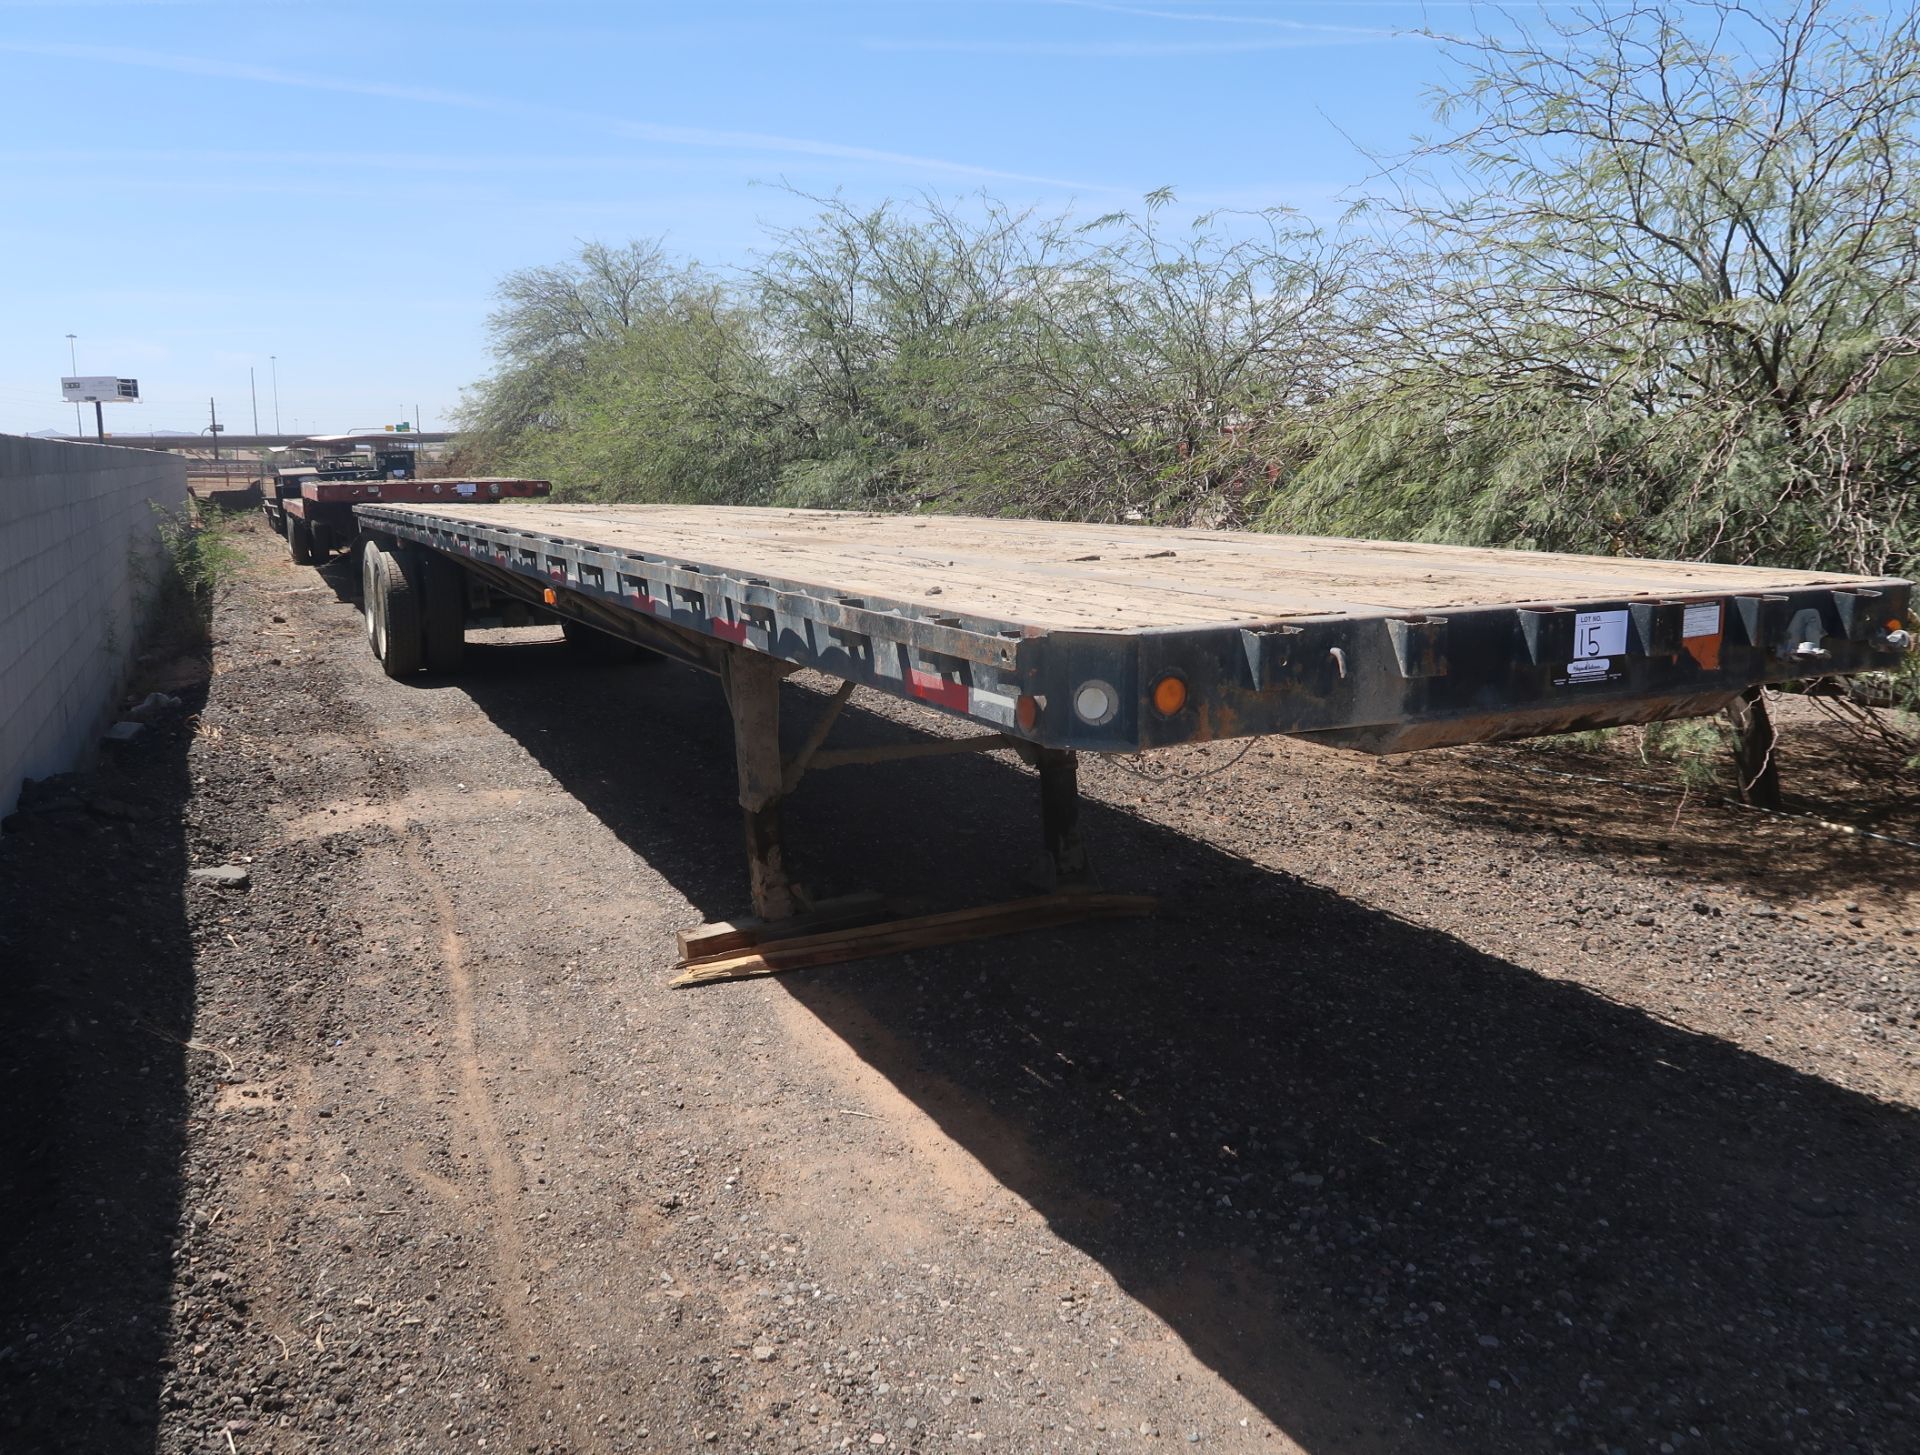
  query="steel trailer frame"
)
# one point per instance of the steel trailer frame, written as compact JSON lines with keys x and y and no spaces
{"x":1380,"y":682}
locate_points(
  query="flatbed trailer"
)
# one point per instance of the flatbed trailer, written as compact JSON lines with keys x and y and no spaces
{"x":1058,"y":639}
{"x":316,"y":517}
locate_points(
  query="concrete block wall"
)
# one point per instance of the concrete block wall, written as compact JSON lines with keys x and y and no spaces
{"x":79,"y":549}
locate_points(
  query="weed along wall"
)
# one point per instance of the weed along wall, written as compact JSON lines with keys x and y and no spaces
{"x":80,"y":551}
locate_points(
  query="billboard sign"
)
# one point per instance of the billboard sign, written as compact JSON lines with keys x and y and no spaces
{"x":100,"y":389}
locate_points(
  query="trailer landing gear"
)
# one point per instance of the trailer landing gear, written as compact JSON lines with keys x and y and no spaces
{"x":787,"y":930}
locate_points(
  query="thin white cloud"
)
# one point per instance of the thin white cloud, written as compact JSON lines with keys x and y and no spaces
{"x":1276,"y":22}
{"x":1280,"y":33}
{"x":481,"y":164}
{"x":1118,"y":49}
{"x":685,"y":136}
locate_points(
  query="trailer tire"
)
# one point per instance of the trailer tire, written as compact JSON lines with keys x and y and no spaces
{"x":370,"y":593}
{"x":299,"y":541}
{"x":400,"y":635}
{"x":443,"y":613}
{"x":393,"y":612}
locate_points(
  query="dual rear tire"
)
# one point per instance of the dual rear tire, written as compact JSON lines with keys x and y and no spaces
{"x":415,"y":607}
{"x":392,"y":609}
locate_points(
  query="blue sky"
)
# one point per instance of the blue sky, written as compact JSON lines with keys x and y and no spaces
{"x":196,"y":188}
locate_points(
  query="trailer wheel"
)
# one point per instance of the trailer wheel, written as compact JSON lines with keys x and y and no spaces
{"x":394,"y":611}
{"x":400,"y":635}
{"x":299,"y":541}
{"x":590,"y":644}
{"x":443,"y":613}
{"x":370,"y":593}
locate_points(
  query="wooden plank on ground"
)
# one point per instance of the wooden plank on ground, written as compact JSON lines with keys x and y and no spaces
{"x":921,"y":932}
{"x":726,"y":937}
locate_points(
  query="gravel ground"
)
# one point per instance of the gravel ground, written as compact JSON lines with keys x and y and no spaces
{"x":1453,"y":1103}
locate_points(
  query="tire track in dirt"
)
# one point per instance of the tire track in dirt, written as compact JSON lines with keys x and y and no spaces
{"x":507,"y":1246}
{"x":404,"y":816}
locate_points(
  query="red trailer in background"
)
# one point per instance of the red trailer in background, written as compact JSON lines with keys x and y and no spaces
{"x":318,"y":520}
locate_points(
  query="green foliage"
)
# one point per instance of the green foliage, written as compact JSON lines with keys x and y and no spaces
{"x":1697,"y":750}
{"x":1657,"y":292}
{"x":933,"y":355}
{"x":198,"y":558}
{"x":550,"y":322}
{"x":178,"y":584}
{"x":679,"y":406}
{"x":1592,"y":740}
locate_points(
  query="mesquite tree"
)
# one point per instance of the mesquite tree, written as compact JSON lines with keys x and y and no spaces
{"x":1656,"y":291}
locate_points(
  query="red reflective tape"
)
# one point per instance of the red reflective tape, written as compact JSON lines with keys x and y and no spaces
{"x":732,"y":631}
{"x":932,"y":687}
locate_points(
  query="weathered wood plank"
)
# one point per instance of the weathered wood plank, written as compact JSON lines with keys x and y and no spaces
{"x":725,"y":937}
{"x":896,"y":936}
{"x":1057,"y":575}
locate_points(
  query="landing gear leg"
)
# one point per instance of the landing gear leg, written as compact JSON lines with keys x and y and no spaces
{"x":1065,"y":866}
{"x":752,"y":683}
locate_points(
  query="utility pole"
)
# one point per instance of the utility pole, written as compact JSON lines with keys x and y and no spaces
{"x":73,"y":363}
{"x":99,"y":422}
{"x":274,"y":361}
{"x":213,"y":429}
{"x":255,"y":393}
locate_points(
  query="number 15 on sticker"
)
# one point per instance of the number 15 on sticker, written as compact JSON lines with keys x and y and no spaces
{"x":1599,"y":634}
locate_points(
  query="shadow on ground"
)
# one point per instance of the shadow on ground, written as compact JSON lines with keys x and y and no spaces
{"x":98,"y":984}
{"x":1401,"y":1193}
{"x":1640,"y":810}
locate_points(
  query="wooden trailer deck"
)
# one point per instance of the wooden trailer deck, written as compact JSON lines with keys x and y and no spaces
{"x":1066,"y":638}
{"x":1123,"y":578}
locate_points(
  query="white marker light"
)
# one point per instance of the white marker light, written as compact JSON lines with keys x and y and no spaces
{"x":1095,"y":702}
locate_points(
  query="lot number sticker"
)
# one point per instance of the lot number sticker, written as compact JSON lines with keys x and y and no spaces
{"x":1599,"y":634}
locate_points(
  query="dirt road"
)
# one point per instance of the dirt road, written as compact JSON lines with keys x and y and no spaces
{"x":1449,"y":1106}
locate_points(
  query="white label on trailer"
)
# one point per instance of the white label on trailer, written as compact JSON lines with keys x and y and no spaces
{"x":466,"y":487}
{"x":1599,"y":634}
{"x":1588,"y":668}
{"x":1702,"y":620}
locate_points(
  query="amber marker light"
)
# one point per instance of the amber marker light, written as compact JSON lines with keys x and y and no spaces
{"x":1169,"y":695}
{"x":550,"y":596}
{"x":1026,"y":711}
